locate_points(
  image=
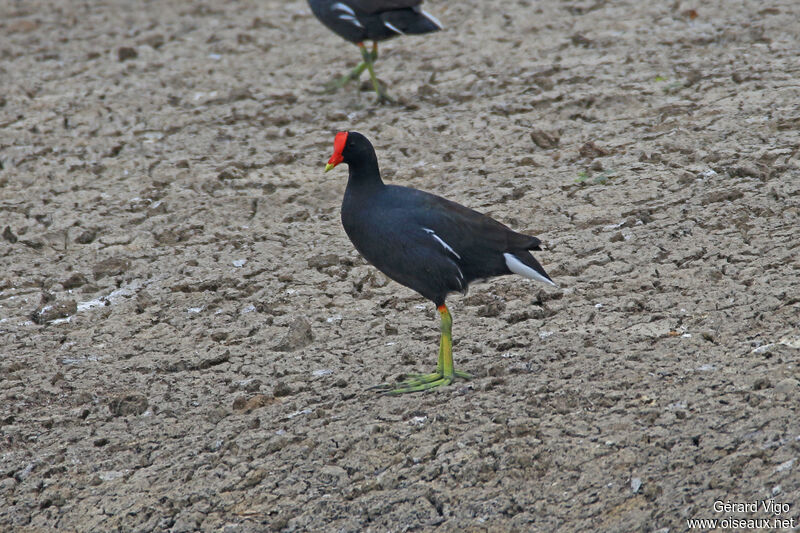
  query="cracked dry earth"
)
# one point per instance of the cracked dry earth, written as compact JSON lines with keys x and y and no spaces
{"x":186,"y":334}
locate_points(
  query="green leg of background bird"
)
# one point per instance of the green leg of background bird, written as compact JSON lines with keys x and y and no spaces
{"x":445,"y":373}
{"x":353,"y":75}
{"x":382,"y":96}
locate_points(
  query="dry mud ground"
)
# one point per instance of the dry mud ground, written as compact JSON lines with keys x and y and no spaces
{"x":162,"y":186}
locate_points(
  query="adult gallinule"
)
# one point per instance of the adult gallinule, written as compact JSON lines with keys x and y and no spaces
{"x":374,"y":20}
{"x":425,"y":242}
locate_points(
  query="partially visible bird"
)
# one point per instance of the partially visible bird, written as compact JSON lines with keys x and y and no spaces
{"x":429,"y":244}
{"x":375,"y":20}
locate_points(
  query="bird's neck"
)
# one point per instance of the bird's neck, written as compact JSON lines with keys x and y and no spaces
{"x":364,"y":175}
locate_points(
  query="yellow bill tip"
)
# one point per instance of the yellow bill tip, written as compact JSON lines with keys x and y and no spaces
{"x":329,"y":166}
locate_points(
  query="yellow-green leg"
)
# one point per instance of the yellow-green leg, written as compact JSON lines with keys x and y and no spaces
{"x":445,"y":373}
{"x":369,"y":59}
{"x":354,"y":74}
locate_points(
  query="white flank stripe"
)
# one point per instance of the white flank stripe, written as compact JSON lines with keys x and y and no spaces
{"x":460,"y":280}
{"x":352,"y":20}
{"x":338,"y":6}
{"x":459,"y":276}
{"x":393,"y":28}
{"x":432,"y":19}
{"x":444,"y":244}
{"x":518,"y":267}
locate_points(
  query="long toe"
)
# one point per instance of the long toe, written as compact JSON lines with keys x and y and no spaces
{"x":441,"y":382}
{"x":421,"y":382}
{"x":423,"y":378}
{"x":420,"y":379}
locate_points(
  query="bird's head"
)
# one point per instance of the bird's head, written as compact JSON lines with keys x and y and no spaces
{"x":350,"y":147}
{"x":339,"y":144}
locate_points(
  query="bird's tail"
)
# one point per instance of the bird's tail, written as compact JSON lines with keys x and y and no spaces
{"x":523,"y":263}
{"x":412,"y":22}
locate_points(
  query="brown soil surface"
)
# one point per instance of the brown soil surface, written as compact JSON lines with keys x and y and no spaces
{"x":186,"y":334}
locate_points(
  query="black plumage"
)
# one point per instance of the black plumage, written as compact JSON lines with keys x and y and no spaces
{"x":425,"y":242}
{"x":362,"y":20}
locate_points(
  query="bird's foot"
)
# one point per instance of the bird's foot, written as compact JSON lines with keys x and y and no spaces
{"x":427,"y":378}
{"x":422,"y":382}
{"x":337,"y":83}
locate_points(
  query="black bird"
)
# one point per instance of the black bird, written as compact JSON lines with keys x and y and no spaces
{"x":374,"y":20}
{"x":425,"y":242}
